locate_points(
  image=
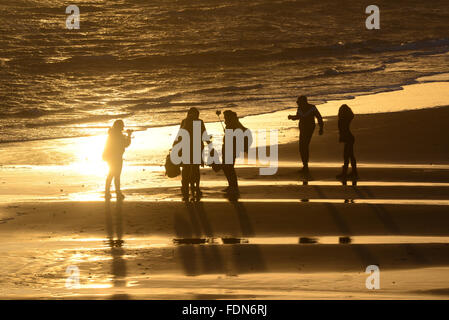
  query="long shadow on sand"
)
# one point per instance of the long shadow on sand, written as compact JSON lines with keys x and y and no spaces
{"x":114,"y":229}
{"x":199,"y":251}
{"x":366,"y":257}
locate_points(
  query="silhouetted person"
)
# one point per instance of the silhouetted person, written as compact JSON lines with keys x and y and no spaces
{"x":116,"y":144}
{"x":232,"y":122}
{"x":306,"y":115}
{"x":190,"y":176}
{"x":345,"y":116}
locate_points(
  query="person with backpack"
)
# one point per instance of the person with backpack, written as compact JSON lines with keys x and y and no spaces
{"x":190,"y":173}
{"x":116,"y":144}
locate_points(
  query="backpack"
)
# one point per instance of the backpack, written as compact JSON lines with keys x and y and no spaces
{"x":171,"y":170}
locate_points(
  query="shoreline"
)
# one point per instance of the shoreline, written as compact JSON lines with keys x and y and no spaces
{"x":431,"y":77}
{"x":432,"y":92}
{"x":144,"y":150}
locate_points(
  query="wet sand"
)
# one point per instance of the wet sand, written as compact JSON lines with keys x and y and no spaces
{"x":415,"y":136}
{"x":284,"y":239}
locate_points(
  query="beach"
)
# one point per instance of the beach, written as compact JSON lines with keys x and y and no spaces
{"x":285,"y":238}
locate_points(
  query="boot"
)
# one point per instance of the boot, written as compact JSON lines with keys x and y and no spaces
{"x":120,"y":195}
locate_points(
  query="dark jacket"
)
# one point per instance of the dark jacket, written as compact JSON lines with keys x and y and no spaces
{"x":306,"y":115}
{"x":187,"y":124}
{"x":246,"y":144}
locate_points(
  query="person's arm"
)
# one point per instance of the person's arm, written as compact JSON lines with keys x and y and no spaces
{"x":178,"y":137}
{"x":296,"y":116}
{"x":127,"y":139}
{"x":320,"y":120}
{"x":204,"y":132}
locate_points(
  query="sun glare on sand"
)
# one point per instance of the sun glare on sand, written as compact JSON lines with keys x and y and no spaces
{"x":88,"y":153}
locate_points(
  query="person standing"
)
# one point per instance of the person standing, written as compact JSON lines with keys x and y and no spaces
{"x":190,"y":175}
{"x":116,"y":144}
{"x":306,"y":115}
{"x":232,"y":123}
{"x":345,"y":116}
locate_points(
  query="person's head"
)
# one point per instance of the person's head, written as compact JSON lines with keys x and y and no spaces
{"x":118,"y":126}
{"x":302,"y":100}
{"x":345,"y":112}
{"x":193,"y":113}
{"x":230,"y":118}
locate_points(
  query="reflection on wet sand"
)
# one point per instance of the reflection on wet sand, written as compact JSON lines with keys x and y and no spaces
{"x":194,"y":232}
{"x":114,"y":229}
{"x":191,"y":231}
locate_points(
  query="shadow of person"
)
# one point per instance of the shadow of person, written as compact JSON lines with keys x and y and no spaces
{"x":245,"y":223}
{"x":187,"y":233}
{"x":212,"y":261}
{"x":305,"y":182}
{"x":114,"y":230}
{"x":391,"y":227}
{"x":198,"y":252}
{"x":366,"y":257}
{"x":247,"y":258}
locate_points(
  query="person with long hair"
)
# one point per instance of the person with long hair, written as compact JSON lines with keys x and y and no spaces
{"x":116,"y":144}
{"x":345,"y":116}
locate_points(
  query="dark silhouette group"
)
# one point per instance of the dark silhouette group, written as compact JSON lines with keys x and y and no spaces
{"x":306,"y":113}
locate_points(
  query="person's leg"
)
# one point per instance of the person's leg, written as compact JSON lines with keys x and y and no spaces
{"x":108,"y":182}
{"x":226,"y":171}
{"x":346,"y":155}
{"x":345,"y":161}
{"x":353,"y":161}
{"x":231,"y":175}
{"x":117,"y":174}
{"x":196,"y":181}
{"x":304,"y":143}
{"x":185,"y":181}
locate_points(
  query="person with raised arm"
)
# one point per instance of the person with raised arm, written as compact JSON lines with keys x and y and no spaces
{"x":116,"y":144}
{"x":306,"y":115}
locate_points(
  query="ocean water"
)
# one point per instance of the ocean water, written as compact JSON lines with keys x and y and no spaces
{"x":149,"y":61}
